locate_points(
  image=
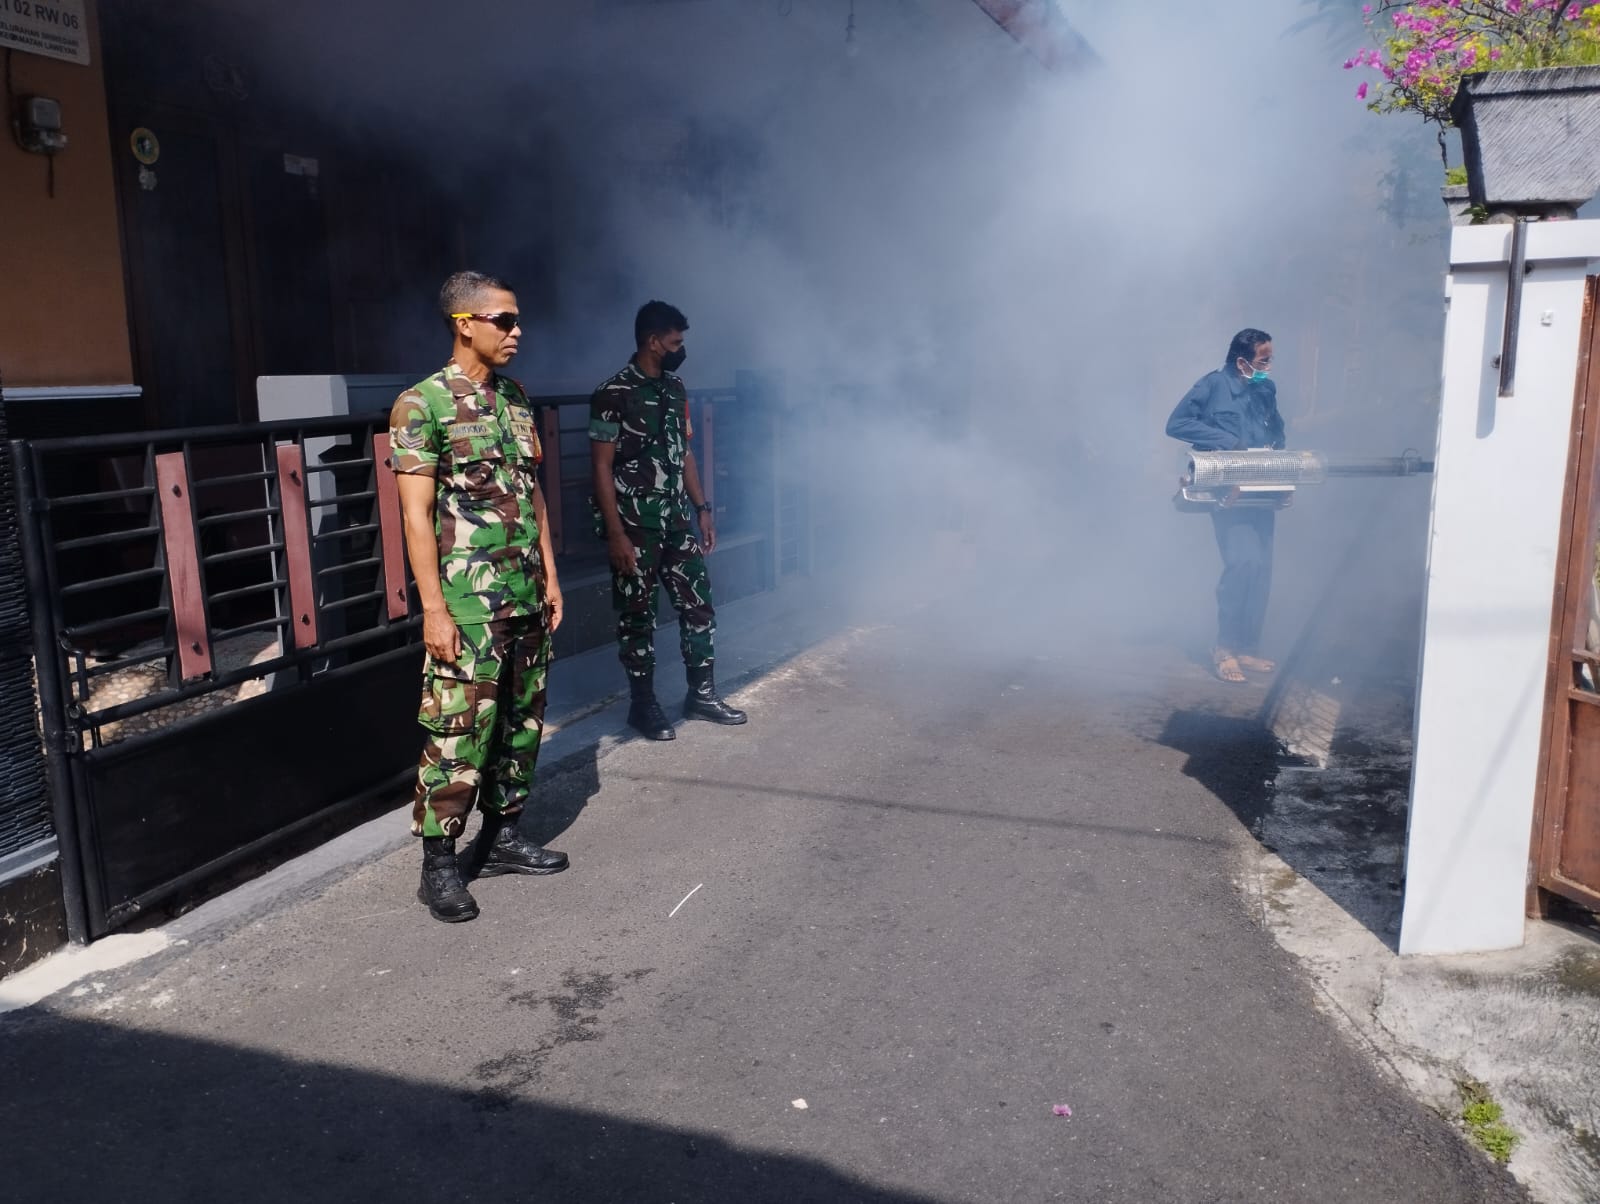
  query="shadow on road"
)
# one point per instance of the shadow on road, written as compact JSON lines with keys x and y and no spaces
{"x":95,"y":1112}
{"x":1234,"y":758}
{"x":960,"y":814}
{"x":1341,"y":828}
{"x":560,"y":795}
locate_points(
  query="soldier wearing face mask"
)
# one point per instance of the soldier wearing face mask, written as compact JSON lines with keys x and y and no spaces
{"x":1233,"y":409}
{"x":648,"y":502}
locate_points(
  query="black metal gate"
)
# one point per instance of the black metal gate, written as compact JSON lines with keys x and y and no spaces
{"x":226,"y":645}
{"x":24,"y":814}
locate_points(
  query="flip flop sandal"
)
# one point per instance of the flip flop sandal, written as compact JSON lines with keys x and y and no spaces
{"x":1228,"y":670}
{"x":1255,"y":664}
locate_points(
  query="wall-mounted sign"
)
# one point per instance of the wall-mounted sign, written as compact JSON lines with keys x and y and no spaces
{"x":146,"y":146}
{"x":56,"y":29}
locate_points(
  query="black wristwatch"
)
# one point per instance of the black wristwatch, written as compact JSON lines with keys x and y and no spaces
{"x":703,"y":508}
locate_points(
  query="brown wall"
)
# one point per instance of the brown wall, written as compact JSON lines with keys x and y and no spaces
{"x":63,"y":312}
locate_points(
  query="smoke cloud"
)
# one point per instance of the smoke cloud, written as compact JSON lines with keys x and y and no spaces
{"x":986,"y":284}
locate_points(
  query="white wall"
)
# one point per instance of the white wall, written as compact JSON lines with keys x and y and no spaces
{"x":1499,"y":479}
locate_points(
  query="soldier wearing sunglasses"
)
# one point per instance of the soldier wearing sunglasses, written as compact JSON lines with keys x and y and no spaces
{"x":465,"y":451}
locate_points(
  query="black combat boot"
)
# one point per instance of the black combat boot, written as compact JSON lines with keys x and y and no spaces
{"x":703,"y":702}
{"x":645,"y":715}
{"x":501,"y":848}
{"x":442,"y":889}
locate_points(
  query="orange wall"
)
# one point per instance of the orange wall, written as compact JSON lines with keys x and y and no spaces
{"x":63,"y":312}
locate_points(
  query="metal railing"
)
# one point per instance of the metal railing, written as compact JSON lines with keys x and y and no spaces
{"x":24,"y":811}
{"x":170,"y":574}
{"x":164,"y":570}
{"x":157,"y":549}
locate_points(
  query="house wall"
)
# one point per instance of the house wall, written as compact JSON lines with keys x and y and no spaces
{"x":63,"y":311}
{"x":1498,"y":487}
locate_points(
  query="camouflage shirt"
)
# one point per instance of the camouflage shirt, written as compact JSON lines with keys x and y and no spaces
{"x":482,"y":447}
{"x":648,"y":420}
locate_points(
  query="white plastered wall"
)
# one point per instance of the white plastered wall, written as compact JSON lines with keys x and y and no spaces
{"x":1500,"y":474}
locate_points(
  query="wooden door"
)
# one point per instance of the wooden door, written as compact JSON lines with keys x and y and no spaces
{"x":185,"y":269}
{"x":1566,"y":836}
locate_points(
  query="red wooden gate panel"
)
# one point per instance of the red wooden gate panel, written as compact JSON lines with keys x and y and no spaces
{"x":1566,"y":834}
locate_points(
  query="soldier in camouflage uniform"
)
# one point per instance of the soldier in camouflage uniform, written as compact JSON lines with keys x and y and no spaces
{"x":645,"y":483}
{"x":465,"y":449}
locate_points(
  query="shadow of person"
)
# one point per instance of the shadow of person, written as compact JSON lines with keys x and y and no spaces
{"x":1341,"y":829}
{"x":199,"y":1120}
{"x":560,"y":794}
{"x":1234,"y":758}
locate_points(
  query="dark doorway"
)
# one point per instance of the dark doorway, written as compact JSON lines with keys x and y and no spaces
{"x":226,"y":231}
{"x":185,"y":275}
{"x":289,"y":268}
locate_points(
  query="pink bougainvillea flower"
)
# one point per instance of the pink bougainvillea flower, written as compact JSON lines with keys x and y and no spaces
{"x":1361,"y":92}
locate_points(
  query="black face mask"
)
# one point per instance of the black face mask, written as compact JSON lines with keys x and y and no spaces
{"x":671,"y":361}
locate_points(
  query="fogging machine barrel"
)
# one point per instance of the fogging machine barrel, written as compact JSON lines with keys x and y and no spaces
{"x":1268,"y":478}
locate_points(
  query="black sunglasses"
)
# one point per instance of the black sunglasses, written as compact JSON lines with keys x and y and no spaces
{"x":506,"y":321}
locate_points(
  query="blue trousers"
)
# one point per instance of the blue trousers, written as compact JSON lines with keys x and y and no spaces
{"x":1244,"y":538}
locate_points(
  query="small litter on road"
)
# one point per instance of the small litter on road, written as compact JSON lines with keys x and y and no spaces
{"x":801,"y":1104}
{"x":682,"y":901}
{"x":1063,"y":1110}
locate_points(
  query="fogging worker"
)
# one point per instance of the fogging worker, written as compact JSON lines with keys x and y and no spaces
{"x":1233,"y":409}
{"x":465,"y":451}
{"x":649,"y":501}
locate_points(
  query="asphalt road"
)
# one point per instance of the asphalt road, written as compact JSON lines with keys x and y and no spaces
{"x":934,"y":902}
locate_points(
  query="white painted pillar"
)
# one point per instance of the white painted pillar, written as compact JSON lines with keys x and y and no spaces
{"x":1500,"y":474}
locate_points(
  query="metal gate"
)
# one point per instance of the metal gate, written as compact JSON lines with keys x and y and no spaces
{"x":24,"y":816}
{"x":1566,"y":835}
{"x":226,"y":645}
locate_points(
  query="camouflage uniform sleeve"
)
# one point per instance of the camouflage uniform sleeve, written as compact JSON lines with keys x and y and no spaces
{"x":605,"y":414}
{"x":414,"y":437}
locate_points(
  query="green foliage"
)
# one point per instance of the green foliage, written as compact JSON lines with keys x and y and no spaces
{"x":1425,"y":47}
{"x":1485,"y":1121}
{"x":1455,"y":176}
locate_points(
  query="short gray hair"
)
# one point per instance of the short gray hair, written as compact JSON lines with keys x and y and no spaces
{"x":462,"y":292}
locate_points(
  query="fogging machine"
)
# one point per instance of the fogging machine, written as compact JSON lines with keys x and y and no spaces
{"x":1268,"y":479}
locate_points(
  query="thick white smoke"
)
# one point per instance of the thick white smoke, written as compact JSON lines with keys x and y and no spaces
{"x":1012,"y":274}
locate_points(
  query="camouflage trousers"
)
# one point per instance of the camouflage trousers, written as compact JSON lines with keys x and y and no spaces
{"x":484,"y":716}
{"x":672,"y":559}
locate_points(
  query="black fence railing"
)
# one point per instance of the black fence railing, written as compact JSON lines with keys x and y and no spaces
{"x":24,"y":807}
{"x":161,"y":550}
{"x":226,"y":637}
{"x":169,"y":574}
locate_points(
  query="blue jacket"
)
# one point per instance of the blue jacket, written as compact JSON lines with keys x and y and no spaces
{"x":1225,"y":412}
